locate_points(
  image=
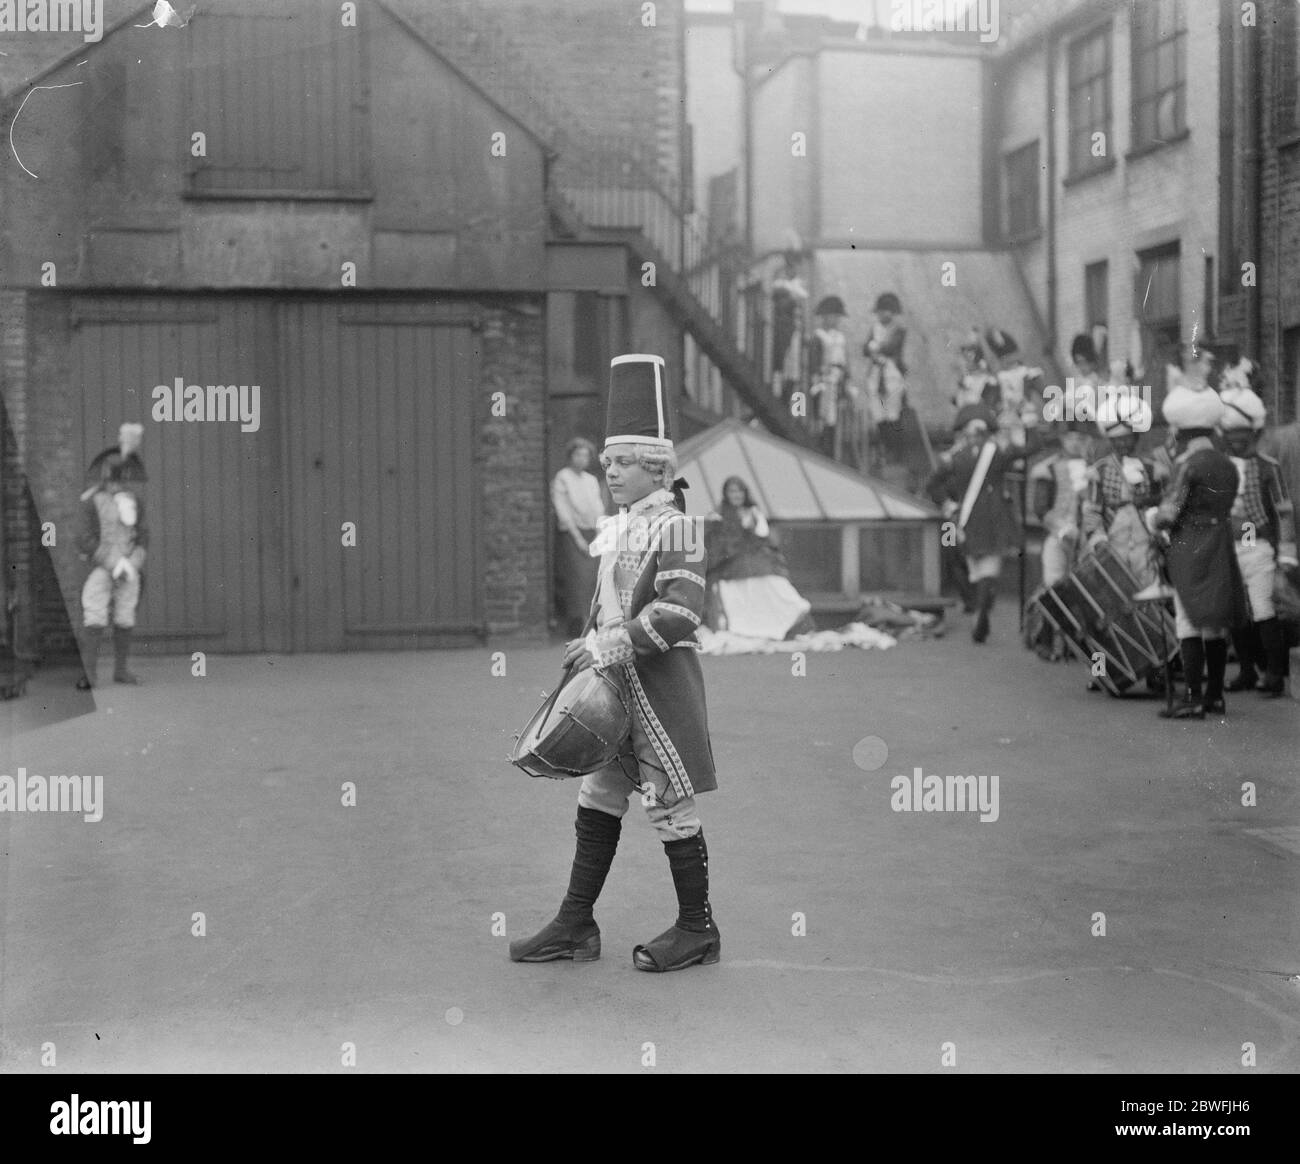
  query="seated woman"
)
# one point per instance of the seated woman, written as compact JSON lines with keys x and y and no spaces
{"x":749,"y":589}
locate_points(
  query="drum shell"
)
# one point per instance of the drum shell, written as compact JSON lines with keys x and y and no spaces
{"x":584,"y":730}
{"x":1092,"y":608}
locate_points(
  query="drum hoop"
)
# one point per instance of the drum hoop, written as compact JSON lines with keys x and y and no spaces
{"x":530,"y":758}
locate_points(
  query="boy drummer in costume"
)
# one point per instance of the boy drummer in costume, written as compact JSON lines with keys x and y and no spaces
{"x":1122,"y":487}
{"x":649,"y":601}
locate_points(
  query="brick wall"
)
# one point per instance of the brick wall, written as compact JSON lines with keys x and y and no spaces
{"x":615,"y":76}
{"x":15,"y":533}
{"x":42,"y":625}
{"x":514,"y":508}
{"x":1277,"y":212}
{"x":1279,"y":233}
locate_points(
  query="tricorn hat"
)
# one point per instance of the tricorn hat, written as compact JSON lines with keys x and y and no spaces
{"x":1000,"y":343}
{"x":888,"y":301}
{"x":830,"y":305}
{"x":639,"y":411}
{"x":1084,"y":349}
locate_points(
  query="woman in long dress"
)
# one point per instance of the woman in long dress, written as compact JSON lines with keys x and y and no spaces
{"x":749,"y":582}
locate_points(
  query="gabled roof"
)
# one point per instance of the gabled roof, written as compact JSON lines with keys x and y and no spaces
{"x":27,"y":57}
{"x":787,"y":481}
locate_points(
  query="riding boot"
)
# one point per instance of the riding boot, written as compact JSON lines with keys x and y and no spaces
{"x":1192,"y":651}
{"x":91,"y":637}
{"x":694,"y":938}
{"x":1246,"y":641}
{"x":573,"y":933}
{"x":1273,"y":639}
{"x":1216,"y":664}
{"x":121,"y":649}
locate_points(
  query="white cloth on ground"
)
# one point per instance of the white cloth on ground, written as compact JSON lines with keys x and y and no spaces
{"x":765,"y":607}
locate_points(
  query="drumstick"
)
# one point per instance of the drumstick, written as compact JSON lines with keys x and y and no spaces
{"x":567,"y":674}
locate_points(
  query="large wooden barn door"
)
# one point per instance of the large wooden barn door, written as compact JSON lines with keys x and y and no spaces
{"x":211,"y":579}
{"x":381,"y":416}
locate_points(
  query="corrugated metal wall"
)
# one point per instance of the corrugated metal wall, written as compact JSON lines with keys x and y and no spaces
{"x":368,"y":415}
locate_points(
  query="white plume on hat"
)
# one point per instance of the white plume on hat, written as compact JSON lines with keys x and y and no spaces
{"x":1242,"y":408}
{"x":1188,"y":407}
{"x":1239,"y":375}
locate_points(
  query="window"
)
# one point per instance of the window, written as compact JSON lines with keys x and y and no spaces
{"x":1159,"y":71}
{"x":1090,"y":102}
{"x":1157,"y":307}
{"x":1022,"y":191}
{"x":279,"y":90}
{"x":1096,"y":306}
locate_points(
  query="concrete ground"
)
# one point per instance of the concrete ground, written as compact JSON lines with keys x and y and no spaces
{"x":373,"y":925}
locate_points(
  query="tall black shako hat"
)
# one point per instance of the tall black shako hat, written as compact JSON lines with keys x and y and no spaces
{"x":639,"y":411}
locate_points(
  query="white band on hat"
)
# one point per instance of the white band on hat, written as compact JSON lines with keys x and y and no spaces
{"x":658,"y":362}
{"x":634,"y":439}
{"x":637,"y":359}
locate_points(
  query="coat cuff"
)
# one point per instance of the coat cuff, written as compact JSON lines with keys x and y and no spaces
{"x":610,"y":647}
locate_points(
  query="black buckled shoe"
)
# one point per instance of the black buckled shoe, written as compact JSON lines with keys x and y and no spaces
{"x":1214,"y":707}
{"x":1187,"y":708}
{"x":676,"y":948}
{"x":556,"y":940}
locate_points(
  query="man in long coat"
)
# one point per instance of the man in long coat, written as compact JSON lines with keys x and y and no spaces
{"x":1201,"y":559}
{"x":649,"y":602}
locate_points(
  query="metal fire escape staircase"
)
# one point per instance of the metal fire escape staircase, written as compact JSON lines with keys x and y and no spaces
{"x":612,"y":189}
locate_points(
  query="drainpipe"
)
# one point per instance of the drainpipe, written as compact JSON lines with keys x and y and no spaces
{"x":741,"y":45}
{"x":1251,"y":208}
{"x":1049,"y":40}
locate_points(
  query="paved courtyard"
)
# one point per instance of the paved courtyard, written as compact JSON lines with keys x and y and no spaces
{"x":325,"y":925}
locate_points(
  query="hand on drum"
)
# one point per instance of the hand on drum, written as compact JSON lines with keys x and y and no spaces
{"x":576,"y":655}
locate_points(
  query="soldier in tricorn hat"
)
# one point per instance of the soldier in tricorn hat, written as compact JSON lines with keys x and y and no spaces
{"x":649,"y":601}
